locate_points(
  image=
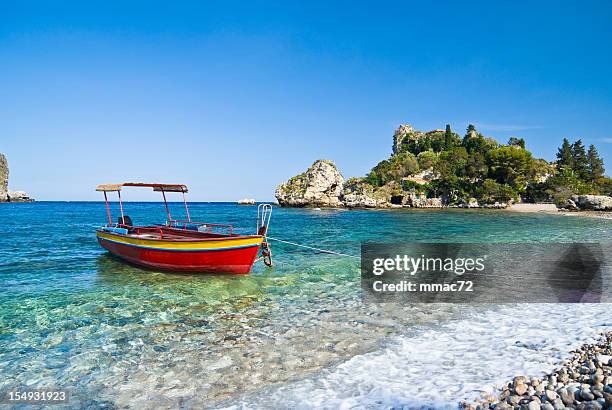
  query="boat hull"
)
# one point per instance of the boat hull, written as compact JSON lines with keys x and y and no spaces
{"x":234,"y":255}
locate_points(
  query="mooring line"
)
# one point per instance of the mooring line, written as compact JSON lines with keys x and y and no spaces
{"x":313,"y":248}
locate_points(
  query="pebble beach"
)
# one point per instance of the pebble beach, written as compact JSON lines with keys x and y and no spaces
{"x":584,"y":381}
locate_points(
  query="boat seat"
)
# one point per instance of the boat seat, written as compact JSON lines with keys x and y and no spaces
{"x":113,"y":229}
{"x":126,"y":222}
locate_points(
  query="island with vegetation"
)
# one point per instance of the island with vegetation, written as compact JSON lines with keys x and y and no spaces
{"x":440,"y":168}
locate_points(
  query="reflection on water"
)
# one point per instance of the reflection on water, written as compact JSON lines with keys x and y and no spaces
{"x":72,"y":316}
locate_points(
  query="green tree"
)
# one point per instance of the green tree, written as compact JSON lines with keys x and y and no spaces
{"x":541,"y":170}
{"x":379,"y":174}
{"x":393,"y":169}
{"x":596,"y":164}
{"x":488,"y":191}
{"x":470,"y":128}
{"x":565,"y":184}
{"x":476,"y":168}
{"x":448,"y":137}
{"x":506,"y":193}
{"x":565,"y":159}
{"x":427,"y":159}
{"x":373,"y":179}
{"x":510,"y":165}
{"x":580,"y":160}
{"x":402,"y":165}
{"x":604,"y":185}
{"x":452,"y":162}
{"x":519,"y":142}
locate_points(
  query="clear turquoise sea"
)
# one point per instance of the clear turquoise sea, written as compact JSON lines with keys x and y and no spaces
{"x":73,"y":317}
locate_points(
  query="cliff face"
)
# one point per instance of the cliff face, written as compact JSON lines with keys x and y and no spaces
{"x":320,"y":185}
{"x":5,"y":194}
{"x":405,"y":133}
{"x":4,"y":174}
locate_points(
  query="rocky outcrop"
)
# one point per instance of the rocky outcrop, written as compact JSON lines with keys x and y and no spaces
{"x":402,"y":133}
{"x":593,"y":202}
{"x":323,"y":186}
{"x":320,"y":185}
{"x":422,"y":177}
{"x":357,"y":193}
{"x":570,"y":205}
{"x":19,"y":196}
{"x":5,"y":194}
{"x":470,"y":203}
{"x":419,"y":200}
{"x":405,"y":133}
{"x":4,"y":174}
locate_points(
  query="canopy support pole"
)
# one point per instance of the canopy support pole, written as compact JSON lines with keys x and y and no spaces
{"x":186,"y":207}
{"x":166,"y":203}
{"x":121,"y":207}
{"x":110,"y":220}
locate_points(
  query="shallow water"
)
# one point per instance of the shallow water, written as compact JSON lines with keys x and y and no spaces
{"x":71,"y":316}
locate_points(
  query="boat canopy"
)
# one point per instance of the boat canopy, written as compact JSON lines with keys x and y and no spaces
{"x":156,"y":187}
{"x":163,"y":188}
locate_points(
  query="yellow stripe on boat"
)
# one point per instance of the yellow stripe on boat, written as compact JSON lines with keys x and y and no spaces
{"x":187,"y":245}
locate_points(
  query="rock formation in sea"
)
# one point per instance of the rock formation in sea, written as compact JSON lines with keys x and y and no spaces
{"x":320,"y":185}
{"x":323,"y":185}
{"x":5,"y":194}
{"x":439,"y":168}
{"x":4,"y":174}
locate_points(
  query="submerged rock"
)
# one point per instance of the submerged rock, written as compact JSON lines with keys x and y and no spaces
{"x":320,"y":185}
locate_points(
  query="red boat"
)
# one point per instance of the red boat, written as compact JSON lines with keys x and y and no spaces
{"x":183,"y":245}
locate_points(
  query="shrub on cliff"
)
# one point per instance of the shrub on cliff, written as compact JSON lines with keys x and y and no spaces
{"x":393,"y":169}
{"x":427,"y":159}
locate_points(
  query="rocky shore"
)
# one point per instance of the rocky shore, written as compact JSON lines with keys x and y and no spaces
{"x":589,"y":203}
{"x":582,"y":382}
{"x":5,"y":194}
{"x":322,"y":185}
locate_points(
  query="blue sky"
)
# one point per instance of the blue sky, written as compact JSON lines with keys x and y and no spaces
{"x":233,"y":98}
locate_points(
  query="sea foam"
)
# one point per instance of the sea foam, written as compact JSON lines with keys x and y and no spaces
{"x":438,"y":367}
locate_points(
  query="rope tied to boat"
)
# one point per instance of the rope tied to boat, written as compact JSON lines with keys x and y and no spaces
{"x":313,"y":248}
